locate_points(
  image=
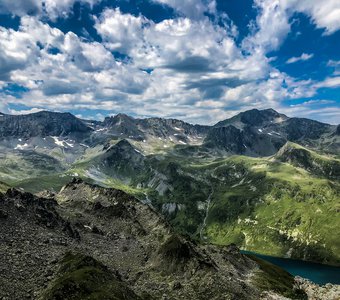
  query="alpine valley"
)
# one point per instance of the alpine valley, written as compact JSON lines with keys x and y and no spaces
{"x":174,"y":201}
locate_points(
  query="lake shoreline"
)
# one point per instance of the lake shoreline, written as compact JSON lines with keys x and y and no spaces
{"x":316,"y":273}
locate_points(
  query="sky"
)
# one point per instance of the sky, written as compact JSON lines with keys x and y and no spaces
{"x":196,"y":60}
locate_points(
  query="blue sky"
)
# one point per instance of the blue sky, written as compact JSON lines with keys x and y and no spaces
{"x":197,"y":60}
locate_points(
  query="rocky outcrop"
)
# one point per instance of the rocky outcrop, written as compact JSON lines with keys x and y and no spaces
{"x":315,"y":291}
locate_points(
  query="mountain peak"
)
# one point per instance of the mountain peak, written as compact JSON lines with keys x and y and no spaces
{"x":257,"y":117}
{"x":270,"y":110}
{"x":123,"y":149}
{"x":43,"y":123}
{"x":253,"y":117}
{"x":122,"y":116}
{"x":118,"y":119}
{"x":123,"y":144}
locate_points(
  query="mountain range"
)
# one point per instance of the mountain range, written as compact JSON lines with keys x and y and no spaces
{"x":261,"y":180}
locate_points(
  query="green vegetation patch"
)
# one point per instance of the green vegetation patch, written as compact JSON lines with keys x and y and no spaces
{"x":3,"y":187}
{"x":81,"y":277}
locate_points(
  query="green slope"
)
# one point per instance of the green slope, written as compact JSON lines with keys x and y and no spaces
{"x":277,"y":209}
{"x":82,"y":277}
{"x":285,"y":205}
{"x":264,"y":205}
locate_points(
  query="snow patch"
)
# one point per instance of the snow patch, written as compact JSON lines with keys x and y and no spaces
{"x":139,"y":152}
{"x":101,"y":129}
{"x":21,"y":147}
{"x":61,"y":143}
{"x":57,"y":141}
{"x":69,"y":144}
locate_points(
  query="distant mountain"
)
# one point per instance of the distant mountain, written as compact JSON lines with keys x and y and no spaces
{"x":255,"y":118}
{"x":264,"y":132}
{"x":120,"y":160}
{"x":124,"y":126}
{"x":254,"y":132}
{"x":247,"y":141}
{"x":40,"y":124}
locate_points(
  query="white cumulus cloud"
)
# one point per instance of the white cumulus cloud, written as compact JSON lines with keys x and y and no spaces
{"x":302,"y":57}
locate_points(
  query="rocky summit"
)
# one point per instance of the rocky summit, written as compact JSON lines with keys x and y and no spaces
{"x":88,"y":242}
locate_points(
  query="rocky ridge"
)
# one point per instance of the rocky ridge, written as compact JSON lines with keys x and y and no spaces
{"x":69,"y":244}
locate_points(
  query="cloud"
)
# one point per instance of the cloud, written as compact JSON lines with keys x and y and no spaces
{"x":329,"y":115}
{"x":325,"y":14}
{"x":186,"y":72}
{"x":121,"y":32}
{"x":24,"y":112}
{"x":198,"y":70}
{"x":74,"y":69}
{"x":56,"y":87}
{"x":193,"y":9}
{"x":271,"y":26}
{"x":330,"y":82}
{"x":147,"y":43}
{"x":303,"y":57}
{"x":20,"y":7}
{"x":272,"y":23}
{"x":16,"y":51}
{"x":45,"y":8}
{"x":335,"y":64}
{"x":313,"y":102}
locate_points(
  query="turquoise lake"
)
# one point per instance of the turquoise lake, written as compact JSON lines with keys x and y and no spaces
{"x":318,"y":273}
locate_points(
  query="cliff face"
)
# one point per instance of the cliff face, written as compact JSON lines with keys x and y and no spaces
{"x":88,"y":242}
